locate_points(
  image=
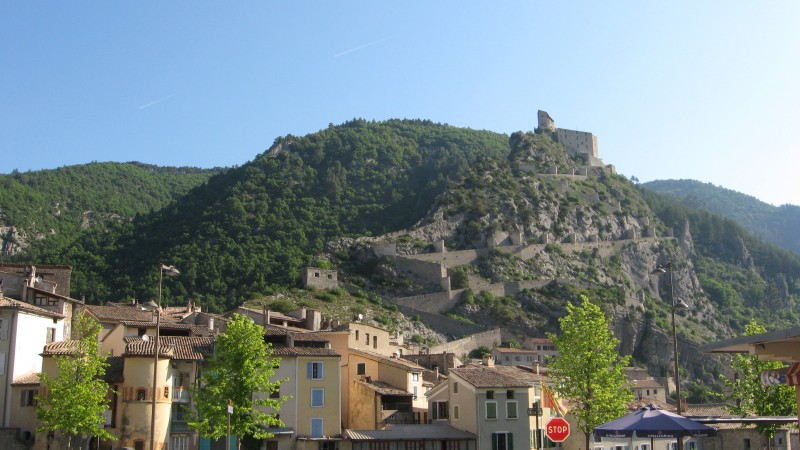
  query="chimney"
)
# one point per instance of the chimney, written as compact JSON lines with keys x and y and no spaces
{"x":488,"y":361}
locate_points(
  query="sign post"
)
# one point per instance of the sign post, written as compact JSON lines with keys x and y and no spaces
{"x":557,"y":429}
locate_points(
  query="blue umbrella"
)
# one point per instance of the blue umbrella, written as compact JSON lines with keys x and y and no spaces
{"x":654,"y":423}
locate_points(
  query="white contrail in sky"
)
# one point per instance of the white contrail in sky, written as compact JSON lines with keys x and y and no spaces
{"x":357,"y":48}
{"x":147,"y":105}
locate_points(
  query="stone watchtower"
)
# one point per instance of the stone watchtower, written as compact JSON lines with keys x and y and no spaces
{"x":545,"y":121}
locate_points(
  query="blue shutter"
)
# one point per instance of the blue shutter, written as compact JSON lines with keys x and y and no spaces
{"x":316,"y":427}
{"x":309,"y":369}
{"x":321,"y":376}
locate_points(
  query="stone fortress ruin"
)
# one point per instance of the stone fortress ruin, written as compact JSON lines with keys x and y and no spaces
{"x":580,"y":143}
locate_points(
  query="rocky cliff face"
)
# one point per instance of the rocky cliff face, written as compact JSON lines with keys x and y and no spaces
{"x":574,"y":235}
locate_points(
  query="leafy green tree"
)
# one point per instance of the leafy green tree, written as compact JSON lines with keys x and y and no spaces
{"x":75,"y":398}
{"x":240,"y":371}
{"x":589,"y":370}
{"x":749,"y":397}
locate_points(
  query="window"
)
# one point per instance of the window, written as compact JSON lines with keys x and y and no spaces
{"x":439,"y":411}
{"x":356,"y":335}
{"x":455,"y":387}
{"x":361,"y":369}
{"x":367,"y":334}
{"x":314,"y":370}
{"x":317,"y":398}
{"x":28,"y":397}
{"x":51,"y":335}
{"x":455,"y":412}
{"x":491,"y":410}
{"x":179,"y":442}
{"x":414,"y":445}
{"x":328,"y":445}
{"x":414,"y":376}
{"x":276,"y":393}
{"x":490,"y":395}
{"x":415,"y":392}
{"x":374,"y":341}
{"x":138,"y":445}
{"x":511,"y":410}
{"x":140,"y":394}
{"x":178,"y":413}
{"x":510,"y":394}
{"x":316,"y":427}
{"x":502,"y":441}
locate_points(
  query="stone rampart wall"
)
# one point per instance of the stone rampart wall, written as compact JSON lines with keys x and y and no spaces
{"x":437,"y":302}
{"x":443,"y":324}
{"x":451,"y":258}
{"x":488,"y":338}
{"x":427,"y":270}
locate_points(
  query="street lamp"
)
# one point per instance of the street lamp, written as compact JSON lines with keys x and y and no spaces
{"x":172,"y":272}
{"x":680,"y":305}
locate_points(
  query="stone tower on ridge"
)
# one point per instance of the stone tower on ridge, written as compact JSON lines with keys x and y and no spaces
{"x":576,"y":142}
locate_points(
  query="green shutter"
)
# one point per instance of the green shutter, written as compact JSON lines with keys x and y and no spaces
{"x":494,"y":441}
{"x":510,"y":445}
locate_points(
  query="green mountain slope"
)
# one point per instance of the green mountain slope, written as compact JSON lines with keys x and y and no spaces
{"x":51,"y":207}
{"x":776,"y":224}
{"x":527,"y":227}
{"x":257,"y":225}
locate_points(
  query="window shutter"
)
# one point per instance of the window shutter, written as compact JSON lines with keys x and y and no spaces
{"x":321,"y":373}
{"x":494,"y":441}
{"x":510,"y":444}
{"x":309,"y":370}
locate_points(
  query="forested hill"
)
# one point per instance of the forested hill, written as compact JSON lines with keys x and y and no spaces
{"x":776,"y":224}
{"x":255,"y":226}
{"x":48,"y":208}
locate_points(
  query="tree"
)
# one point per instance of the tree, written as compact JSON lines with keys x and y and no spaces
{"x":588,"y":372}
{"x":749,"y":397}
{"x":239,"y":372}
{"x":74,"y":399}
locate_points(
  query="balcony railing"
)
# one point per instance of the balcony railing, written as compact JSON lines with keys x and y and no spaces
{"x":179,"y":427}
{"x":181,"y":394}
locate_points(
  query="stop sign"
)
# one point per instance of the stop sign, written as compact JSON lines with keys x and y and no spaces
{"x":557,"y":429}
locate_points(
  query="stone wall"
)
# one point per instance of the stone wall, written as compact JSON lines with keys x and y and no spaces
{"x":320,"y":278}
{"x":437,"y":302}
{"x":434,"y":272}
{"x":443,"y":324}
{"x":9,"y":440}
{"x":451,"y":258}
{"x":488,"y":338}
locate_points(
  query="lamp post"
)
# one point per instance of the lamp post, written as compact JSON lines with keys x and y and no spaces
{"x":173,"y":272}
{"x":680,"y":305}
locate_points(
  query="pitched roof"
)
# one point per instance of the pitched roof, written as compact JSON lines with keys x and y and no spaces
{"x":147,"y":348}
{"x":67,"y":347}
{"x":397,"y":362}
{"x":10,"y":303}
{"x":488,"y":377}
{"x":384,"y":388}
{"x":305,"y":351}
{"x":640,"y":384}
{"x":515,"y":350}
{"x":118,"y":313}
{"x":30,"y":378}
{"x":410,"y":432}
{"x":188,"y":348}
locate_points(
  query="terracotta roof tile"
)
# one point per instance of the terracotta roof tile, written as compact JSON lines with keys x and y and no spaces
{"x":488,"y":377}
{"x":384,"y":388}
{"x":397,"y":362}
{"x":304,"y":351}
{"x":119,"y":313}
{"x":67,"y":347}
{"x":187,"y":348}
{"x":10,"y":303}
{"x":30,"y":378}
{"x":515,"y":350}
{"x":646,"y":384}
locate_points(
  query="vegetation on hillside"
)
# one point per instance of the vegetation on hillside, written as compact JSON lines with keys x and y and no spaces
{"x":775,"y":224}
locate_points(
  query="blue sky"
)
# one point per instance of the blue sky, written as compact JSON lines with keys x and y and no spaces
{"x":702,"y":90}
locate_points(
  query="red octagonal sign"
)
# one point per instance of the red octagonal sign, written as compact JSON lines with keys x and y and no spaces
{"x":557,"y":429}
